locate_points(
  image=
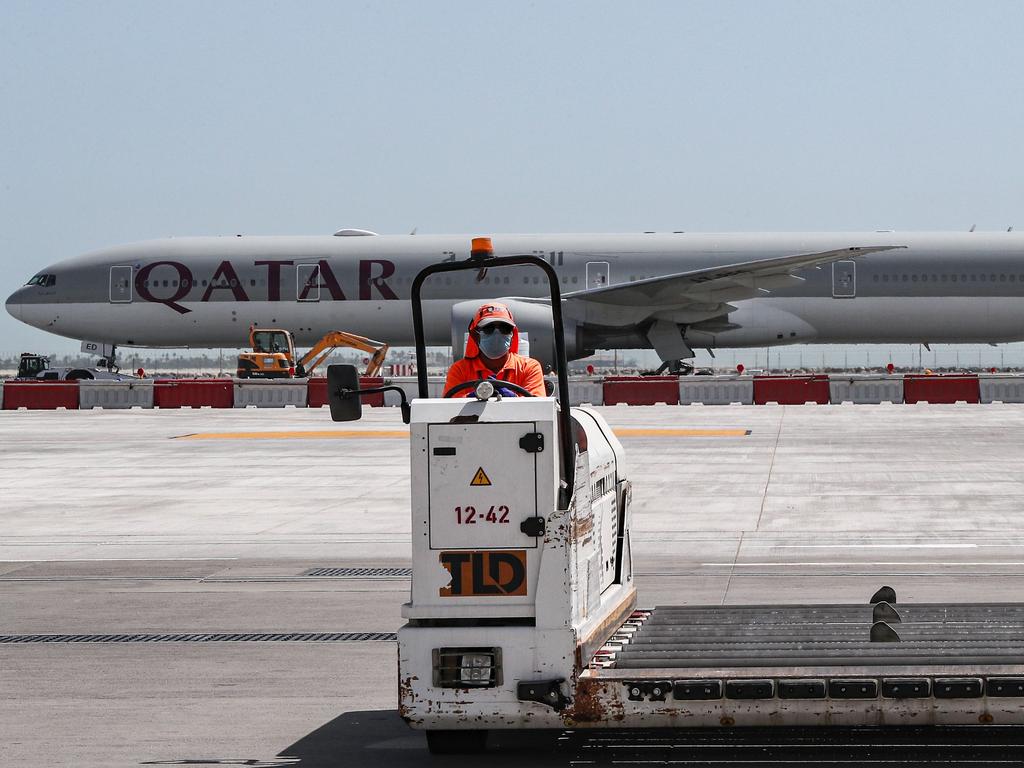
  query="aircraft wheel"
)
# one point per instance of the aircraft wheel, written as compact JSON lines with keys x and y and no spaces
{"x":456,"y":742}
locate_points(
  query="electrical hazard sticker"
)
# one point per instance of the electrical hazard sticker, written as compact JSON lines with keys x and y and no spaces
{"x":480,"y":478}
{"x":485,"y":574}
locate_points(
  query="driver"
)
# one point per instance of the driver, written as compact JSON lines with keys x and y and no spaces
{"x":491,"y":354}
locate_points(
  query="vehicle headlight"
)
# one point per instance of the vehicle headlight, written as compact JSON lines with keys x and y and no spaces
{"x":467,"y":667}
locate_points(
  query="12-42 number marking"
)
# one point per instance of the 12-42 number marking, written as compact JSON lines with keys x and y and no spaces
{"x":470,"y":516}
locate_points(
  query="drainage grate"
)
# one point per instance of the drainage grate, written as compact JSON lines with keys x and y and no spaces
{"x":212,"y":637}
{"x":361,"y":573}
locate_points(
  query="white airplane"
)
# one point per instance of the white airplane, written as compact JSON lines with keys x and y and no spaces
{"x":670,"y":292}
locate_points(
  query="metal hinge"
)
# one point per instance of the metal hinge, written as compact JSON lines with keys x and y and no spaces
{"x":532,"y":442}
{"x":543,"y":692}
{"x":532,"y":526}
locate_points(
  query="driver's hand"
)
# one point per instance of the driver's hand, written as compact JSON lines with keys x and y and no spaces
{"x":503,"y":391}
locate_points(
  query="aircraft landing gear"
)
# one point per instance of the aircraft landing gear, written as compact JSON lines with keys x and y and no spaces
{"x":110,"y":361}
{"x":671,"y":368}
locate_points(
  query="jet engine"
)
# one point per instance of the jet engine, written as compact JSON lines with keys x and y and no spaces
{"x":533,"y":318}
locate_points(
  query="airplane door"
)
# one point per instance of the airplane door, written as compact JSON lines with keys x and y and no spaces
{"x":120,"y":285}
{"x":307,"y":282}
{"x":844,"y":279}
{"x":597,"y":274}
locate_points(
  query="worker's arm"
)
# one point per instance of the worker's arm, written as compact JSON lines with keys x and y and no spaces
{"x":533,"y":378}
{"x":457,"y":374}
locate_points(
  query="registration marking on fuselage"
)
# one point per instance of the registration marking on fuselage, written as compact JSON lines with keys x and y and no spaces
{"x":341,"y":434}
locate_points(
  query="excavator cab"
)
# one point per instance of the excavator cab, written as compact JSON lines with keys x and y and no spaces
{"x":272,"y":356}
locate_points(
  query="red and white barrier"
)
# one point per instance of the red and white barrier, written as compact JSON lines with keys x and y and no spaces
{"x":791,"y":390}
{"x":613,"y":390}
{"x":865,"y":389}
{"x":193,"y":393}
{"x":641,"y":390}
{"x":40,"y":395}
{"x":941,"y":389}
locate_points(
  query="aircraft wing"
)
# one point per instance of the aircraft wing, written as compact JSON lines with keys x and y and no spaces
{"x":716,"y":285}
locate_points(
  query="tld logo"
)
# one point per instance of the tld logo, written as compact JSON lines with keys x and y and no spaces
{"x":485,"y":574}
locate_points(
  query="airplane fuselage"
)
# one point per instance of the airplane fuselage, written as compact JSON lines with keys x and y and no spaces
{"x":207,"y":291}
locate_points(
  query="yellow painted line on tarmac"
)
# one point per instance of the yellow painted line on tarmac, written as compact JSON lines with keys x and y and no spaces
{"x":343,"y":434}
{"x":682,"y":432}
{"x":335,"y":434}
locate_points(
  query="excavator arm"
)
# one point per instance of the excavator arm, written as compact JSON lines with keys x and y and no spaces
{"x":322,"y":349}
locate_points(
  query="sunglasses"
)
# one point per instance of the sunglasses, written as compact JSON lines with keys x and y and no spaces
{"x":504,"y":328}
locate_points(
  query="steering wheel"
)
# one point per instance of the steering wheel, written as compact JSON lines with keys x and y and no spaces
{"x":496,"y":382}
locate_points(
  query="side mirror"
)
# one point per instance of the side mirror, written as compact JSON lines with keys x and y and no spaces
{"x":343,"y":393}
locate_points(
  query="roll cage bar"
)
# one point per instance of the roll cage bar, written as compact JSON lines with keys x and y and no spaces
{"x":485,"y":261}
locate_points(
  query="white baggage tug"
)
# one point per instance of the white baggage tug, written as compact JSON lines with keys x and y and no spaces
{"x":522,"y":613}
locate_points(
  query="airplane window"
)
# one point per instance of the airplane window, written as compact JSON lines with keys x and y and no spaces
{"x":204,"y":283}
{"x":575,"y":279}
{"x":174,"y":283}
{"x":252,"y":283}
{"x":234,"y":283}
{"x":992,"y":278}
{"x":913,"y":278}
{"x":526,"y":280}
{"x":874,"y":279}
{"x":885,"y":278}
{"x":983,"y":278}
{"x":1013,"y":278}
{"x":506,"y":281}
{"x":905,"y":278}
{"x":536,"y":281}
{"x":974,"y":278}
{"x":954,"y":278}
{"x":945,"y":278}
{"x":1002,"y":278}
{"x":165,"y":283}
{"x":963,"y":278}
{"x":935,"y":278}
{"x":51,"y":280}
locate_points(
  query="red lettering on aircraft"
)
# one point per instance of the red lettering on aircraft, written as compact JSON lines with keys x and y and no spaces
{"x":327,"y":280}
{"x":373,"y":275}
{"x":368,"y":280}
{"x":184,"y":283}
{"x":227,"y":273}
{"x":274,"y":277}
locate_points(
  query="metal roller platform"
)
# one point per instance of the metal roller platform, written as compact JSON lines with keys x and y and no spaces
{"x":832,"y":653}
{"x":821,"y":635}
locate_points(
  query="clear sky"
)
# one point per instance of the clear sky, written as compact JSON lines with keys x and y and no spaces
{"x":122,"y":121}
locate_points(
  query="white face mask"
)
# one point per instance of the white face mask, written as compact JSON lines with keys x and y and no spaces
{"x":495,"y":345}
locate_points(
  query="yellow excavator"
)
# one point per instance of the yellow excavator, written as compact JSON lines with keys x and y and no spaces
{"x":273,"y":354}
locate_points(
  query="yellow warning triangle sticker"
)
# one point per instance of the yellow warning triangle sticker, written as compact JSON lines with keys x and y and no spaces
{"x":480,"y":478}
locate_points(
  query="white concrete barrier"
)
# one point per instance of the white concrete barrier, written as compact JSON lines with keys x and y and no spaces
{"x":410,"y":385}
{"x":583,"y":391}
{"x":865,"y":389}
{"x":1,"y":395}
{"x":1001,"y":389}
{"x":270,"y":393}
{"x":716,"y":390}
{"x":115,"y":394}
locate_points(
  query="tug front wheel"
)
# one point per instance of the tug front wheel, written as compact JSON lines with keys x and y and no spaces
{"x":456,"y":742}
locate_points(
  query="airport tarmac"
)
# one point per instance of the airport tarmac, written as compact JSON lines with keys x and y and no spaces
{"x":175,"y":523}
